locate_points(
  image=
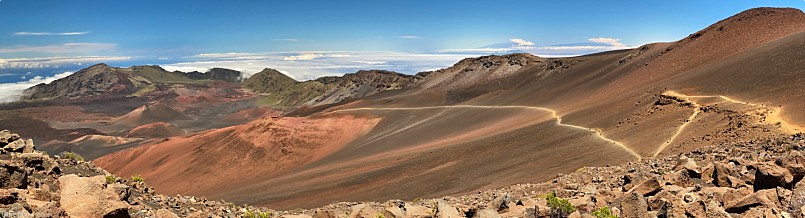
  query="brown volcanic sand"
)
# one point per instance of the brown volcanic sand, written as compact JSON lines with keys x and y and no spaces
{"x":436,"y":152}
{"x":226,"y":158}
{"x":61,"y":114}
{"x":156,"y":130}
{"x":250,"y":114}
{"x":150,"y":113}
{"x":91,"y":146}
{"x":754,"y":57}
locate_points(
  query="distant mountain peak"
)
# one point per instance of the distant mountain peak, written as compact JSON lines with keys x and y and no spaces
{"x":99,"y":67}
{"x":754,"y":20}
{"x":766,"y":11}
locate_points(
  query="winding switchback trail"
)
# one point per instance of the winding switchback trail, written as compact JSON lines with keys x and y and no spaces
{"x":774,"y":115}
{"x":553,"y":113}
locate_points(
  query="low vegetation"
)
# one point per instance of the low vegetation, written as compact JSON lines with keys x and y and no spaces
{"x":111,"y":179}
{"x":253,"y":214}
{"x":72,"y":156}
{"x":559,"y":207}
{"x":604,"y":212}
{"x":137,"y":178}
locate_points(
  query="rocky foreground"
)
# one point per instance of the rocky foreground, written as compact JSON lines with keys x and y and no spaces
{"x":759,"y":178}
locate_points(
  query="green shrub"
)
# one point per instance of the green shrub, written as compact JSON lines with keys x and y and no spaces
{"x":137,"y":178}
{"x":110,"y":179}
{"x":252,"y":214}
{"x":248,"y":214}
{"x":559,"y":207}
{"x":72,"y":156}
{"x":604,"y":212}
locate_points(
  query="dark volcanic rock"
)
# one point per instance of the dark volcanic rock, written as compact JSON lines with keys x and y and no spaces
{"x":222,"y":74}
{"x":99,"y":79}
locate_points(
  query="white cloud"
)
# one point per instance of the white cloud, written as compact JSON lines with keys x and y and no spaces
{"x":11,"y":91}
{"x":288,"y":40}
{"x":521,"y":42}
{"x":478,"y":50}
{"x":301,"y":57}
{"x":609,"y":41}
{"x":410,"y":37}
{"x":46,"y":62}
{"x":593,"y":45}
{"x":61,"y":48}
{"x":49,"y":33}
{"x":308,"y":65}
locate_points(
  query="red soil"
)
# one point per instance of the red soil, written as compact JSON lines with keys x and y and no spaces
{"x":150,"y":114}
{"x":156,"y":130}
{"x":221,"y":159}
{"x":251,"y":114}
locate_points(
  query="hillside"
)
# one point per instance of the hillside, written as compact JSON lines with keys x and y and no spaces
{"x":96,"y":80}
{"x":758,"y":178}
{"x":281,"y":91}
{"x":494,"y":121}
{"x":102,"y":80}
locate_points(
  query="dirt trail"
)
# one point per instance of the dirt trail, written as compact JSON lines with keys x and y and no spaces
{"x":772,"y":117}
{"x":553,"y":113}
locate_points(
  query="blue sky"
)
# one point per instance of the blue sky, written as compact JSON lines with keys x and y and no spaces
{"x":180,"y":28}
{"x":308,"y":39}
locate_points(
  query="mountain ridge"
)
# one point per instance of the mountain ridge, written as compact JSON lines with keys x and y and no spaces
{"x":463,"y":129}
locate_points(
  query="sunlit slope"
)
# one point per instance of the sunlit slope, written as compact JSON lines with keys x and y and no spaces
{"x":493,"y":121}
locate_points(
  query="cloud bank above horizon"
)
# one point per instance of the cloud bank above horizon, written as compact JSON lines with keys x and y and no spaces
{"x":309,"y":65}
{"x":302,"y":65}
{"x":11,"y":91}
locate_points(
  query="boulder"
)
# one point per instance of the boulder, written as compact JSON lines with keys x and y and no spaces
{"x":9,"y":196}
{"x":647,"y":188}
{"x":634,"y":205}
{"x":696,"y":209}
{"x":487,"y":213}
{"x":20,"y":146}
{"x":444,"y":210}
{"x":688,"y":164}
{"x":500,"y":203}
{"x":363,"y":210}
{"x":764,"y":212}
{"x":86,"y":197}
{"x":7,"y":137}
{"x":165,"y":213}
{"x":681,"y":177}
{"x":583,"y":203}
{"x":393,"y":211}
{"x":797,"y":201}
{"x":714,"y":210}
{"x":416,"y":211}
{"x":794,"y":162}
{"x":769,"y":176}
{"x":670,"y":209}
{"x":708,"y":173}
{"x":767,"y":198}
{"x":12,"y":175}
{"x":721,"y":174}
{"x":320,"y":213}
{"x":50,"y":209}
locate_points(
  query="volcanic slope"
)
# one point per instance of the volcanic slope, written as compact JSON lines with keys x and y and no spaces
{"x":281,"y":91}
{"x":474,"y":126}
